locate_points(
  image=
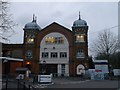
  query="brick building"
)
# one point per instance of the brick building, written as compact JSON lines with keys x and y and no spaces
{"x":53,"y":49}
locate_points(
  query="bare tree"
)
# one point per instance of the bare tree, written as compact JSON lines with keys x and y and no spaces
{"x":6,"y":22}
{"x":105,"y":45}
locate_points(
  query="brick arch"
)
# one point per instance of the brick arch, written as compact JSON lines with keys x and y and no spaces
{"x":56,"y":28}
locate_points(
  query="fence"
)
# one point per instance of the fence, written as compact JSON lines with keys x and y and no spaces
{"x":11,"y":83}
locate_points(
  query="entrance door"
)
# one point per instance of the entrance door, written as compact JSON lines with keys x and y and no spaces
{"x":51,"y":68}
{"x":6,"y":68}
{"x":62,"y":69}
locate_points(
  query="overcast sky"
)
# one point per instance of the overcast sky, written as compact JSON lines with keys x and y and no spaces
{"x":98,"y":15}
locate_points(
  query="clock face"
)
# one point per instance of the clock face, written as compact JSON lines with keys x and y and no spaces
{"x":29,"y":54}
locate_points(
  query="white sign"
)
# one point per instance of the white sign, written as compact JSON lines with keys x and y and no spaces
{"x":103,"y":68}
{"x":45,"y":78}
{"x":116,"y":72}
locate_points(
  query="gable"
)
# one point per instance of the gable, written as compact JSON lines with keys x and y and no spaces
{"x":54,"y":26}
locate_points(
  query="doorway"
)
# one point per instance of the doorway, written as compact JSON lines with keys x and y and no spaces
{"x":51,"y":68}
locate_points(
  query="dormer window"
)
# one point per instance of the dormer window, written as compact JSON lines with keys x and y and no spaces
{"x":29,"y":54}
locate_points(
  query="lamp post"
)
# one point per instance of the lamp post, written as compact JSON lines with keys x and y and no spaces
{"x":86,"y":67}
{"x":44,"y":63}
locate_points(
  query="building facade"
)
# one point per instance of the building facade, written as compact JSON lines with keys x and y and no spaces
{"x":54,"y":49}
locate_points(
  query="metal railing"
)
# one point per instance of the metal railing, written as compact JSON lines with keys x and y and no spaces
{"x":17,"y":84}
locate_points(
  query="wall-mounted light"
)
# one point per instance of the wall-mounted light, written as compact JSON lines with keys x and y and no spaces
{"x":28,"y":63}
{"x":32,"y":40}
{"x":81,"y":36}
{"x":78,"y":36}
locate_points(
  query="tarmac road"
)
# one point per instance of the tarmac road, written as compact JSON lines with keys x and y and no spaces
{"x":86,"y":84}
{"x":77,"y":83}
{"x":73,"y":83}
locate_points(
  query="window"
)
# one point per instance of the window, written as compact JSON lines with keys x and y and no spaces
{"x":59,"y":40}
{"x":63,"y":54}
{"x":54,"y":40}
{"x":80,"y":38}
{"x":29,"y":54}
{"x":54,"y":55}
{"x":45,"y":54}
{"x":30,"y":40}
{"x":80,"y":54}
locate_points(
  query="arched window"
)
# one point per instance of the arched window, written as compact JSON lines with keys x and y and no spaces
{"x":80,"y":53}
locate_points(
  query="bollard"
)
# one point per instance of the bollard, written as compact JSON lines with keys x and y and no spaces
{"x":18,"y":84}
{"x":24,"y":86}
{"x":6,"y":83}
{"x":29,"y":87}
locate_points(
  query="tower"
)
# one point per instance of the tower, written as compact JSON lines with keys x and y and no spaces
{"x":80,"y":30}
{"x":31,"y":30}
